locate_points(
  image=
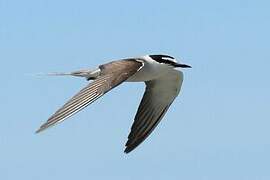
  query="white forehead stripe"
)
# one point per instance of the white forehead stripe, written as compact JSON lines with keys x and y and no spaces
{"x":169,"y":59}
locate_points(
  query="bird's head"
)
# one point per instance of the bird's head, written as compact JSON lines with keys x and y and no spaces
{"x":165,"y":59}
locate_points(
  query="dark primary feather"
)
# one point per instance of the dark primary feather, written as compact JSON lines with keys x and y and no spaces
{"x":148,"y":116}
{"x":155,"y":103}
{"x":112,"y":74}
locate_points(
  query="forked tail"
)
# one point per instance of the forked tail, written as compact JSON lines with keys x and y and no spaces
{"x":86,"y":73}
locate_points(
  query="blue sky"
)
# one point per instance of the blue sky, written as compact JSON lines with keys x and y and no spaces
{"x":218,"y":128}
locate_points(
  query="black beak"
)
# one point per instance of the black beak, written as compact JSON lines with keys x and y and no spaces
{"x":182,"y":65}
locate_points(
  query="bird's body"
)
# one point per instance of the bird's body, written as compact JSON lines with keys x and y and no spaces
{"x":163,"y":84}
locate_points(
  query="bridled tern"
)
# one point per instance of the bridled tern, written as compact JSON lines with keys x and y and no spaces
{"x":163,"y":84}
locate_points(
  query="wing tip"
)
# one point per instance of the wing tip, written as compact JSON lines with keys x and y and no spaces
{"x":40,"y":130}
{"x":130,"y":146}
{"x":128,"y":149}
{"x":43,"y":128}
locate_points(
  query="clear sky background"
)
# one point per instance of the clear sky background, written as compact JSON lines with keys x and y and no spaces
{"x":218,"y":128}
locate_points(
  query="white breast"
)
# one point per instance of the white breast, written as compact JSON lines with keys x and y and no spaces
{"x":151,"y":70}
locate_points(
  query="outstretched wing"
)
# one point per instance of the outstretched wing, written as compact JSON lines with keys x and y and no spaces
{"x":111,"y":75}
{"x":157,"y":98}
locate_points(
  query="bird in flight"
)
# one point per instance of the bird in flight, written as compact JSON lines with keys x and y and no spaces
{"x":163,"y":83}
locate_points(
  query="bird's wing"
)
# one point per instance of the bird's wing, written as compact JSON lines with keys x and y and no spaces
{"x":111,"y":75}
{"x":158,"y":96}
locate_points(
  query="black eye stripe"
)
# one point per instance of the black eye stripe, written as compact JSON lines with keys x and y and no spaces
{"x":159,"y":58}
